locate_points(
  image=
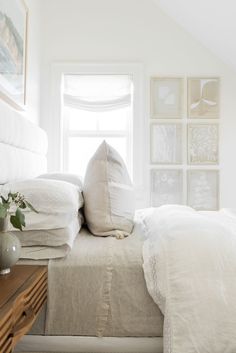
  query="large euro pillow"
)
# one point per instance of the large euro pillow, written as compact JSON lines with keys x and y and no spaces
{"x":57,"y":202}
{"x":108,"y":194}
{"x":69,"y":177}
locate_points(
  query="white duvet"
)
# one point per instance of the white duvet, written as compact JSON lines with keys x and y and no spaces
{"x":190,"y":271}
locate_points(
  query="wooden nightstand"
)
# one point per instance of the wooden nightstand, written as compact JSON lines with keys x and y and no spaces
{"x":22,"y":294}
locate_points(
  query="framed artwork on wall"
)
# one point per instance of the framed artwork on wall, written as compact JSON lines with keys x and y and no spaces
{"x":203,"y":144}
{"x":166,"y":143}
{"x":203,"y":188}
{"x":203,"y":98}
{"x":13,"y":38}
{"x":166,"y":98}
{"x":166,"y":187}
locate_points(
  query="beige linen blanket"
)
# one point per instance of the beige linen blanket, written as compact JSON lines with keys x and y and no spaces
{"x":190,"y":267}
{"x":99,"y":289}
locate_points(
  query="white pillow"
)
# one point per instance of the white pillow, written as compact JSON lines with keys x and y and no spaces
{"x":57,"y":202}
{"x":108,"y":194}
{"x":70,"y":178}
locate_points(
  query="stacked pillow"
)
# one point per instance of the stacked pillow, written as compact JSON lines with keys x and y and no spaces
{"x":108,"y":194}
{"x":69,"y":177}
{"x":58,"y":204}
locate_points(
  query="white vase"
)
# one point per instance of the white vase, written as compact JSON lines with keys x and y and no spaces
{"x":10,"y":249}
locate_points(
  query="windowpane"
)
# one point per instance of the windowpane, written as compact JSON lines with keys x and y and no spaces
{"x":114,"y":120}
{"x":81,"y":150}
{"x":81,"y":119}
{"x":108,"y":121}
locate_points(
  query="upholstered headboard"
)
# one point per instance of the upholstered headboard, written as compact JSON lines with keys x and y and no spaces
{"x":23,"y":147}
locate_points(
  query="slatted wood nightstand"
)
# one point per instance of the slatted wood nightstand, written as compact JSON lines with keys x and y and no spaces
{"x":22,"y":294}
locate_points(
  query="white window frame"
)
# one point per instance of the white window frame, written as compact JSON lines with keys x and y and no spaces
{"x":54,"y":126}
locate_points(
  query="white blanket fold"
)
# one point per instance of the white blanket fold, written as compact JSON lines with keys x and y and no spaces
{"x":190,"y":271}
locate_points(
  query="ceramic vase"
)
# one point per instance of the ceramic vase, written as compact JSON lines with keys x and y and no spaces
{"x":9,"y":249}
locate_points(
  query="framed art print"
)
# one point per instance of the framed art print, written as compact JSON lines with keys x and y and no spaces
{"x":166,"y":187}
{"x":13,"y":33}
{"x":203,"y":189}
{"x":166,"y":98}
{"x":203,"y":98}
{"x":166,"y":143}
{"x":203,"y":144}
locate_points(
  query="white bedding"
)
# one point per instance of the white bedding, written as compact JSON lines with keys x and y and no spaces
{"x":190,"y":266}
{"x":57,"y":242}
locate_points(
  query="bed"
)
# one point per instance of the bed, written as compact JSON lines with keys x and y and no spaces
{"x":120,"y":316}
{"x":105,"y":295}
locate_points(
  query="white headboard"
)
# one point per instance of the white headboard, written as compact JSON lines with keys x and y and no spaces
{"x":23,"y":147}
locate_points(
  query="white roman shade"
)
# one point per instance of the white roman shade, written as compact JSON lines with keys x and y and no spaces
{"x":97,"y":92}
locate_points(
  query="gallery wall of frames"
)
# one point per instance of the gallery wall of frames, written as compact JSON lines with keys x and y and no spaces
{"x":184,"y":141}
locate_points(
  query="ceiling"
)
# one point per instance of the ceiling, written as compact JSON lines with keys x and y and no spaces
{"x":212,"y":22}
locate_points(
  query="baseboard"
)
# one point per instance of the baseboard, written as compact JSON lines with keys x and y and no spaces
{"x":84,"y":344}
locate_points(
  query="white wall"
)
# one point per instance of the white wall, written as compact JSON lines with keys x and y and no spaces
{"x":32,"y":109}
{"x":137,"y":31}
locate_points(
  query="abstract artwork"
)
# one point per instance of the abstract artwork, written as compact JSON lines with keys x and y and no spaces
{"x":13,"y":23}
{"x":202,"y":143}
{"x":203,"y":98}
{"x":166,"y":143}
{"x":203,"y":189}
{"x":166,"y":187}
{"x":166,"y":98}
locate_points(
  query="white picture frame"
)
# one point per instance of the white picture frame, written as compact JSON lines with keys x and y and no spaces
{"x":203,"y":98}
{"x":203,"y":144}
{"x":166,"y":143}
{"x":13,"y":51}
{"x":166,"y":97}
{"x":203,"y":189}
{"x":166,"y":187}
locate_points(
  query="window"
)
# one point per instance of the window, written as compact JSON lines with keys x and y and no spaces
{"x":96,"y":108}
{"x":71,"y":144}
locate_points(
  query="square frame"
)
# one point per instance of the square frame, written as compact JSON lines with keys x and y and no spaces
{"x":206,"y":190}
{"x":13,"y":19}
{"x":203,"y":97}
{"x":166,"y":149}
{"x":166,"y":95}
{"x":201,"y":144}
{"x":164,"y":190}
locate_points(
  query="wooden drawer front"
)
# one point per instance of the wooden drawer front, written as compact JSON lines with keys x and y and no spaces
{"x":27,"y":306}
{"x":38,"y":295}
{"x":6,"y":330}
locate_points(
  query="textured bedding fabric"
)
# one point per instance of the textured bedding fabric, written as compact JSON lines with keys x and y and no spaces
{"x":99,"y":290}
{"x":190,"y":266}
{"x":56,"y":242}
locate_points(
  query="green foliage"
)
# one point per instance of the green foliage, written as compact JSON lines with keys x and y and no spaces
{"x":17,"y":219}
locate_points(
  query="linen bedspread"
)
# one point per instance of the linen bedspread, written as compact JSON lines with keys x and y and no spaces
{"x":190,"y":267}
{"x":99,"y":290}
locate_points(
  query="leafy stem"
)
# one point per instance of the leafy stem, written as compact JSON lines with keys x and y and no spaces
{"x":18,"y":200}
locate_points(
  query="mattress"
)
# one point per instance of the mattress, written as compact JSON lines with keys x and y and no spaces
{"x":99,"y":290}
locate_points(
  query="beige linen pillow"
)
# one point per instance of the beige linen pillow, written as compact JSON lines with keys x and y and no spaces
{"x":108,"y":194}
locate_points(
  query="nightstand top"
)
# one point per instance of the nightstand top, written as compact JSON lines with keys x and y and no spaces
{"x":16,"y":279}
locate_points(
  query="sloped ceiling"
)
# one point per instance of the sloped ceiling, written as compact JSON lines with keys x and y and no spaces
{"x":212,"y":22}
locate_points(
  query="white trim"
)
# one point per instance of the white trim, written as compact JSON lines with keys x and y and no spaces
{"x":54,"y":127}
{"x":83,"y":344}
